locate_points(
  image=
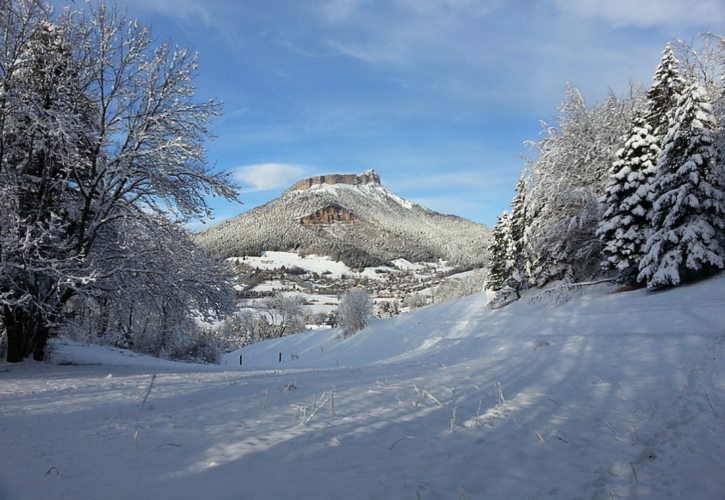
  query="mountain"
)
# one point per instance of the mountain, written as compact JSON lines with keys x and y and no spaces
{"x":353,"y":219}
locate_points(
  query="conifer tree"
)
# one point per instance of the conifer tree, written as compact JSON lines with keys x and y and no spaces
{"x":516,"y":251}
{"x":668,"y":85}
{"x":624,"y":228}
{"x":687,"y":216}
{"x":498,"y":250}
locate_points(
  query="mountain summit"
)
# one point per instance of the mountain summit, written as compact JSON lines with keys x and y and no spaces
{"x":353,"y":219}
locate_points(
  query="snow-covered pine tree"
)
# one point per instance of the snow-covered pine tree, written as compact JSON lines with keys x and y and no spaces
{"x":624,"y":227}
{"x":499,"y":248}
{"x":668,"y":85}
{"x":719,"y":109}
{"x":687,"y":193}
{"x":516,"y":252}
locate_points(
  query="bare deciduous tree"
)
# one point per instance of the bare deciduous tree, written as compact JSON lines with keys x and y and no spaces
{"x":101,"y":145}
{"x":355,"y":308}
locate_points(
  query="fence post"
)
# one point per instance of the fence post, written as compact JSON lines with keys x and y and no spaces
{"x":280,"y":357}
{"x":240,"y":360}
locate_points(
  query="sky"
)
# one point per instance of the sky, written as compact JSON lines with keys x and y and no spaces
{"x":438,"y":96}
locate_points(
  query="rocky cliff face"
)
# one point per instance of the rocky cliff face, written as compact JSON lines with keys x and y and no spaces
{"x":329,"y":215}
{"x":369,"y":177}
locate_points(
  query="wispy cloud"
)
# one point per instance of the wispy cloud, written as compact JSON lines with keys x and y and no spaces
{"x":476,"y":53}
{"x":184,"y":10}
{"x":455,"y":180}
{"x":268,"y":176}
{"x":397,"y":32}
{"x":647,"y":13}
{"x":468,"y":207}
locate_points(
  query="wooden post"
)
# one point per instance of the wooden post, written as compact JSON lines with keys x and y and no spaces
{"x":280,"y":357}
{"x":240,"y":360}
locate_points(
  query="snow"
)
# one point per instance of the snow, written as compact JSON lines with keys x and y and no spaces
{"x":311,"y":263}
{"x":607,"y":395}
{"x":407,"y":265}
{"x":270,"y":260}
{"x":368,"y":189}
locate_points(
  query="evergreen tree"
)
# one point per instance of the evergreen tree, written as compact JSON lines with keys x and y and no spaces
{"x":624,"y":227}
{"x":499,"y":253}
{"x":687,"y":216}
{"x":668,"y":85}
{"x":516,"y":253}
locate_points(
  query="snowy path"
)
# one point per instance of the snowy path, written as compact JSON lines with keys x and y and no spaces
{"x":466,"y":413}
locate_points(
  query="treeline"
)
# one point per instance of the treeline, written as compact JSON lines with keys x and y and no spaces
{"x":631,"y":188}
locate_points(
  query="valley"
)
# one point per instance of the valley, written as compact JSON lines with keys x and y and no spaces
{"x":318,"y":283}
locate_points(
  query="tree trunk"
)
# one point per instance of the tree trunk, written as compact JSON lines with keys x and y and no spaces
{"x":27,"y":334}
{"x":15,"y":336}
{"x":40,"y":337}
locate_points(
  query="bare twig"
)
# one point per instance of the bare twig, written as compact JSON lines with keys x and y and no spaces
{"x":316,"y":405}
{"x":172,"y":445}
{"x":148,"y":389}
{"x":610,"y":428}
{"x":558,"y":436}
{"x":454,"y":411}
{"x":711,"y":408}
{"x":634,"y":471}
{"x":427,"y":395}
{"x":399,"y":440}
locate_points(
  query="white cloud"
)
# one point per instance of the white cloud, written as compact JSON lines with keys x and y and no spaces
{"x":335,"y":11}
{"x":469,"y":208}
{"x":267,"y":176}
{"x":183,"y":10}
{"x":489,"y":178}
{"x":647,"y":13}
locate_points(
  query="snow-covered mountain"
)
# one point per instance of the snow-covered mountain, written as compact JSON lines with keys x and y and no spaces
{"x":353,"y":219}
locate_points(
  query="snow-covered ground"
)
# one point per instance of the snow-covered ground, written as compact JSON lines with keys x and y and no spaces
{"x":311,"y":263}
{"x":609,"y":395}
{"x":271,"y":260}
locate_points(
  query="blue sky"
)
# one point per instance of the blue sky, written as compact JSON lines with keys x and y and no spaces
{"x":438,"y":96}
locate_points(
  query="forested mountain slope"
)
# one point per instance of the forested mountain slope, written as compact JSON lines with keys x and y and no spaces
{"x":350,"y":218}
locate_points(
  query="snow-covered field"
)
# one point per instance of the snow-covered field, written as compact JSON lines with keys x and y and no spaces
{"x":609,"y":395}
{"x":270,"y":260}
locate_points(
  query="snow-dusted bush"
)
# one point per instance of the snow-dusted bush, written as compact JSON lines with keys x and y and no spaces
{"x":389,"y":309}
{"x":416,"y":300}
{"x":461,"y":286}
{"x":354,"y":310}
{"x":200,"y":344}
{"x":284,"y":315}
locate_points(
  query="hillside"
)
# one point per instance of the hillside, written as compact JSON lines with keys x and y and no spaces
{"x":595,"y":394}
{"x":353,"y":219}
